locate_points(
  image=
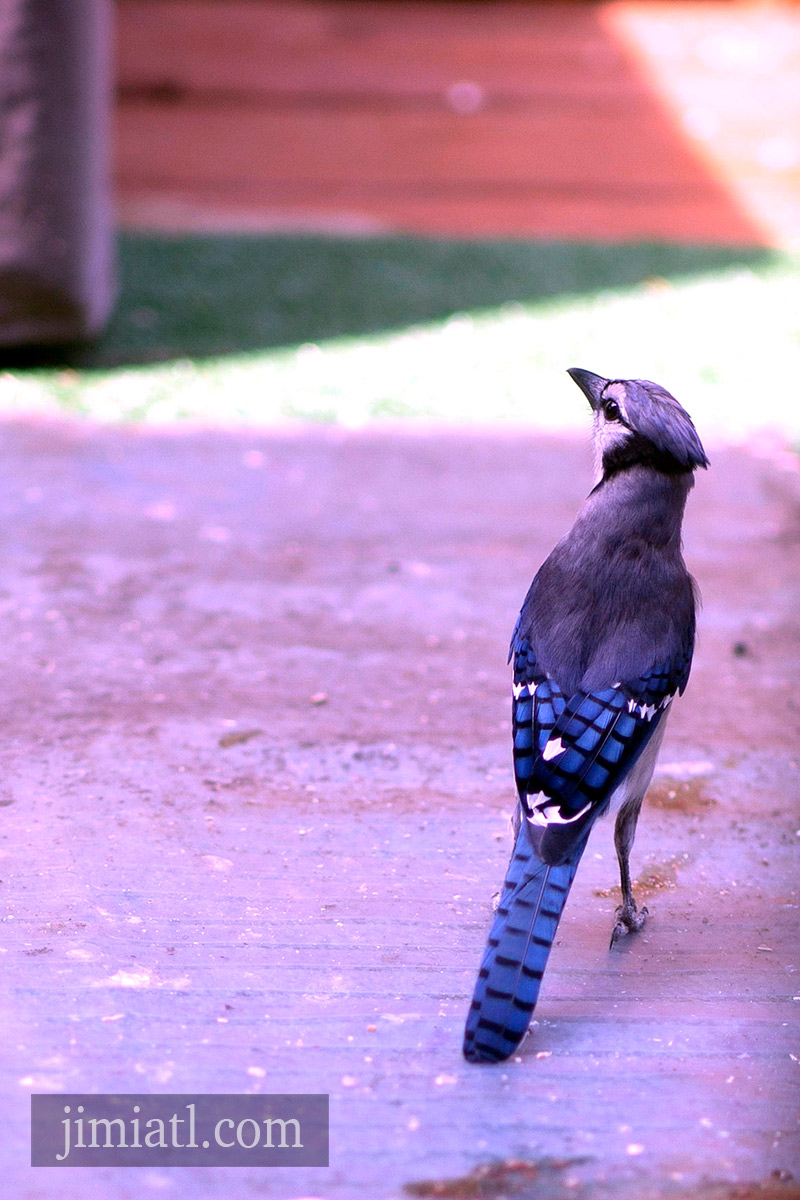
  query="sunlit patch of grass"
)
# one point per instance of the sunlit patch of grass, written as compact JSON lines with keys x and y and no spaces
{"x":723,"y":336}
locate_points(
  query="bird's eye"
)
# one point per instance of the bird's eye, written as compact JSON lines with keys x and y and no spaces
{"x":611,"y":410}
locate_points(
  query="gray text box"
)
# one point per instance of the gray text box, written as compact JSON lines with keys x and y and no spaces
{"x":179,"y":1131}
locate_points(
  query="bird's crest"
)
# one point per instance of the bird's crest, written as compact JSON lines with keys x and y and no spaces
{"x":636,"y":420}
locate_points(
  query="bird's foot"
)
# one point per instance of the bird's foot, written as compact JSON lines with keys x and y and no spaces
{"x":629,"y":920}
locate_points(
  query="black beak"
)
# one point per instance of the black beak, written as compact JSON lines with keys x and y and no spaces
{"x":591,"y":385}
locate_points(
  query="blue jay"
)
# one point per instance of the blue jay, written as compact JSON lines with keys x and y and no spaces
{"x":602,"y":646}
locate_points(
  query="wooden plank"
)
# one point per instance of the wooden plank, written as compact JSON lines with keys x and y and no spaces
{"x":542,"y":213}
{"x":400,"y":50}
{"x":149,"y":922}
{"x":544,"y":172}
{"x":544,"y":119}
{"x":219,"y":147}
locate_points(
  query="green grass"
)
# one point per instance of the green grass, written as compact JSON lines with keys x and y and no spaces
{"x":263,"y":329}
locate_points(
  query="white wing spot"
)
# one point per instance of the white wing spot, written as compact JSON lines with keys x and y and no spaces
{"x":552,"y":749}
{"x":551,"y":815}
{"x":519,"y":688}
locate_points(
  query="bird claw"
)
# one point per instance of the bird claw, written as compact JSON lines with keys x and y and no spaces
{"x":629,"y":920}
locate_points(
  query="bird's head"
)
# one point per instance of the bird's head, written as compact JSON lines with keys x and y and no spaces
{"x":636,"y":421}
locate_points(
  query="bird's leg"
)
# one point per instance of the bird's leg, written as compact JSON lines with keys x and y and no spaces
{"x":630,"y":919}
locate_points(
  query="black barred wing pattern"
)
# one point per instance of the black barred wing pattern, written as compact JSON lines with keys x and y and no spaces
{"x":571,"y":752}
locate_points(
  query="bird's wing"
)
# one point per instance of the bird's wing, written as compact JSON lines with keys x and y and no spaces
{"x":572,"y":752}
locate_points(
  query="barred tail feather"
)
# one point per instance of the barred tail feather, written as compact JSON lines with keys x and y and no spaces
{"x":534,"y":895}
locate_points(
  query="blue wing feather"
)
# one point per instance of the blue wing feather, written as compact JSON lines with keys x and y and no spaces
{"x":571,"y":753}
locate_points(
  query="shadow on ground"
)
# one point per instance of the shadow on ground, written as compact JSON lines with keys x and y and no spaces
{"x":201,"y":296}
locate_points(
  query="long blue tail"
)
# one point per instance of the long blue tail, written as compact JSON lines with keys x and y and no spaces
{"x":534,"y":895}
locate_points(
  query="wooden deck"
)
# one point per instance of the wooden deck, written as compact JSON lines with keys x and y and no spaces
{"x":666,"y":120}
{"x":213,"y":882}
